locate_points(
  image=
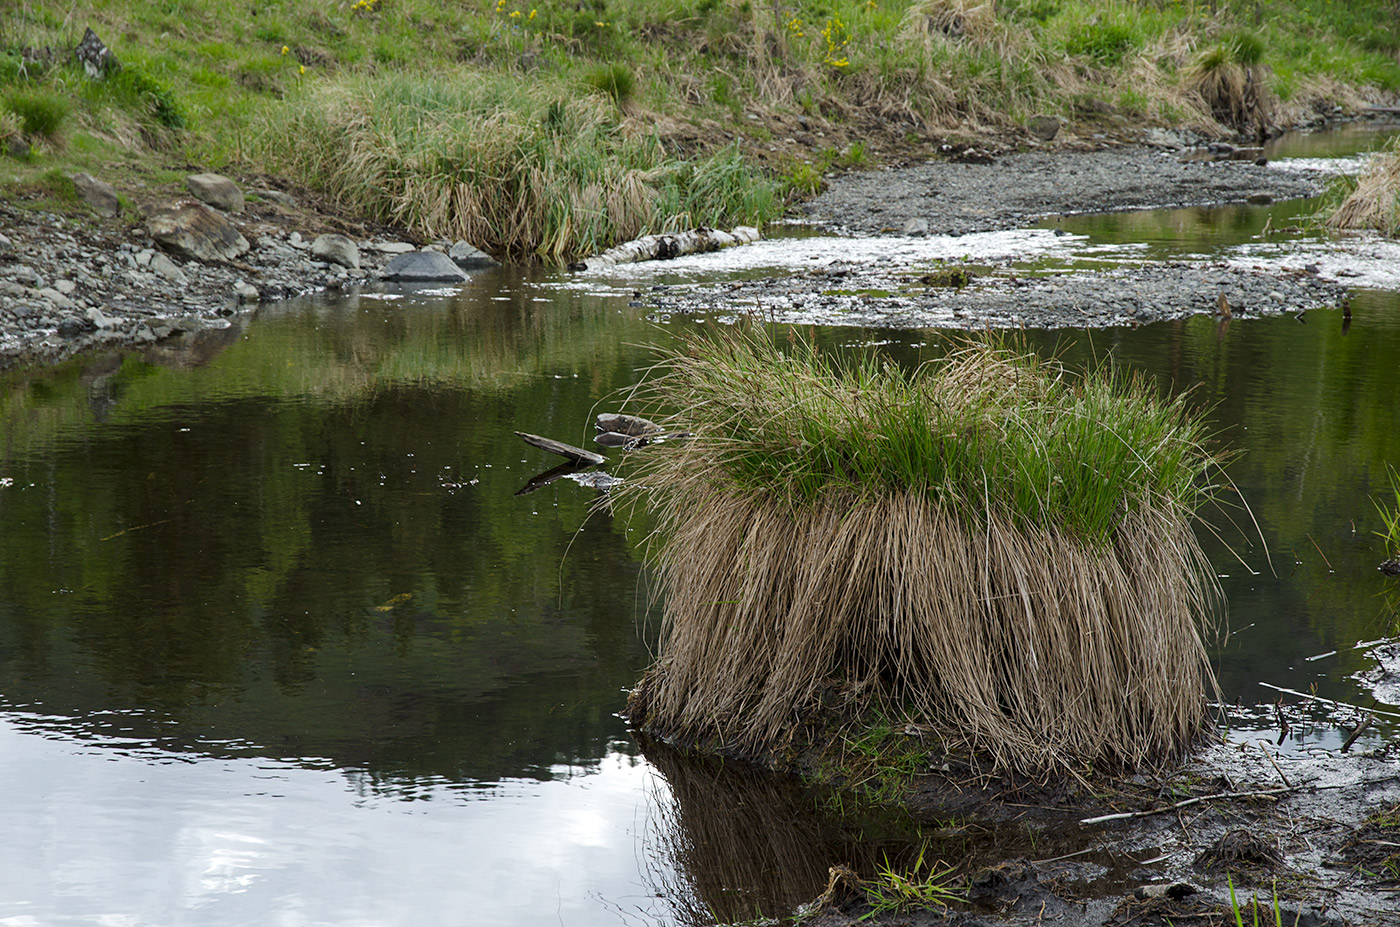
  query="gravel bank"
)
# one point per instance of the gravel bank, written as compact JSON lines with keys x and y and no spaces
{"x":882,"y":297}
{"x":945,"y":198}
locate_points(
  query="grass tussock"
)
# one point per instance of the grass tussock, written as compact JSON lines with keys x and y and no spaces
{"x":1373,"y":201}
{"x":1228,"y":78}
{"x":985,"y":547}
{"x":518,"y":169}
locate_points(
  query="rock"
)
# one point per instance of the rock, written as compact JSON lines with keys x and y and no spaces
{"x":66,"y":287}
{"x":296,"y":241}
{"x":336,"y":249}
{"x":4,"y":244}
{"x":168,"y":269}
{"x":56,"y":299}
{"x":216,"y":190}
{"x":98,"y":319}
{"x":1259,"y":199}
{"x":276,"y":196}
{"x":423,"y":267}
{"x":101,"y":196}
{"x":71,"y":326}
{"x":246,"y":292}
{"x":96,"y":57}
{"x":1044,"y":127}
{"x":915,"y":226}
{"x":469,"y":257}
{"x":196,"y":231}
{"x":389,"y":247}
{"x":1162,"y":138}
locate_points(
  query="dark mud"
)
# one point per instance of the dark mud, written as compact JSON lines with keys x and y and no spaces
{"x":1317,"y":836}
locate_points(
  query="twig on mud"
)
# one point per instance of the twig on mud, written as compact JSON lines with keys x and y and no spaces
{"x":1265,"y":750}
{"x":1125,"y":815}
{"x":1328,"y":701}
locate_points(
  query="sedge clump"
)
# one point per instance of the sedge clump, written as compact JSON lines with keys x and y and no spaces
{"x":998,"y":552}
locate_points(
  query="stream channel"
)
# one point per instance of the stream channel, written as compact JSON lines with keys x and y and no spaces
{"x":281,"y":644}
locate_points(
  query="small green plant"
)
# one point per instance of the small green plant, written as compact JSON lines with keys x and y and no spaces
{"x":1390,"y":514}
{"x":805,"y":180}
{"x":923,"y":886}
{"x":41,"y":114}
{"x":1105,"y":41}
{"x":1253,"y":906}
{"x":613,"y":80}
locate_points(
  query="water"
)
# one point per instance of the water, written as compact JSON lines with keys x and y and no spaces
{"x":280,"y":643}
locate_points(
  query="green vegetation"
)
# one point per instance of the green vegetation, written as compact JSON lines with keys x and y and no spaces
{"x":1272,"y":914}
{"x":518,"y":168}
{"x":231,"y":88}
{"x":922,"y":886}
{"x":960,"y":547}
{"x":1372,"y":200}
{"x":1389,"y":511}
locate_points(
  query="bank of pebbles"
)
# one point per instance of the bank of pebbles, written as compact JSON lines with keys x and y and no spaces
{"x":69,"y":285}
{"x":854,"y":295}
{"x":944,"y":198}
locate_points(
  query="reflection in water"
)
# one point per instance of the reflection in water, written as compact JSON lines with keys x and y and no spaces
{"x":735,"y":842}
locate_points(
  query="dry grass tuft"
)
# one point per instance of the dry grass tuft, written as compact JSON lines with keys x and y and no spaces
{"x":983,"y":547}
{"x":1230,"y":80}
{"x":1374,"y":202}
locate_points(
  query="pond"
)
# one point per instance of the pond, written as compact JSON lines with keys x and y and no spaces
{"x":281,"y":640}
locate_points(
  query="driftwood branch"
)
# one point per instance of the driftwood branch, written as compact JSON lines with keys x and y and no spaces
{"x":665,"y":247}
{"x":1185,"y":803}
{"x":1332,"y":702}
{"x":577,"y":454}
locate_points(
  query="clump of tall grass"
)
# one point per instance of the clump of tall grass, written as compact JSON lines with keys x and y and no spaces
{"x":988,"y":547}
{"x":614,"y":80}
{"x":521,"y":169}
{"x":1229,"y":78}
{"x":41,"y":114}
{"x":1374,"y":198}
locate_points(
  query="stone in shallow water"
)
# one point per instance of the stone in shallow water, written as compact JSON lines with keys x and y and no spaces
{"x":423,"y":267}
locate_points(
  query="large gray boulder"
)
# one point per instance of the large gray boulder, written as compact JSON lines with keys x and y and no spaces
{"x":423,"y":267}
{"x":98,"y":194}
{"x":194,"y":230}
{"x":336,"y":249}
{"x":216,"y":190}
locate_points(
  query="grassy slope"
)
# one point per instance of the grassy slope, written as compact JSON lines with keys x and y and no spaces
{"x":395,"y":107}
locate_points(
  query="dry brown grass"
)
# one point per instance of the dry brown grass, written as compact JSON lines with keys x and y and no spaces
{"x":1013,"y":636}
{"x":1374,"y":203}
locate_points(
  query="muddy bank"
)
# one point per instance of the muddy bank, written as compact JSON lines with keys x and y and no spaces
{"x":1315,"y":833}
{"x":947,"y":198}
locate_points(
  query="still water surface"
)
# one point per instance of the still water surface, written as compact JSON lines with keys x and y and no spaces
{"x":281,"y":644}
